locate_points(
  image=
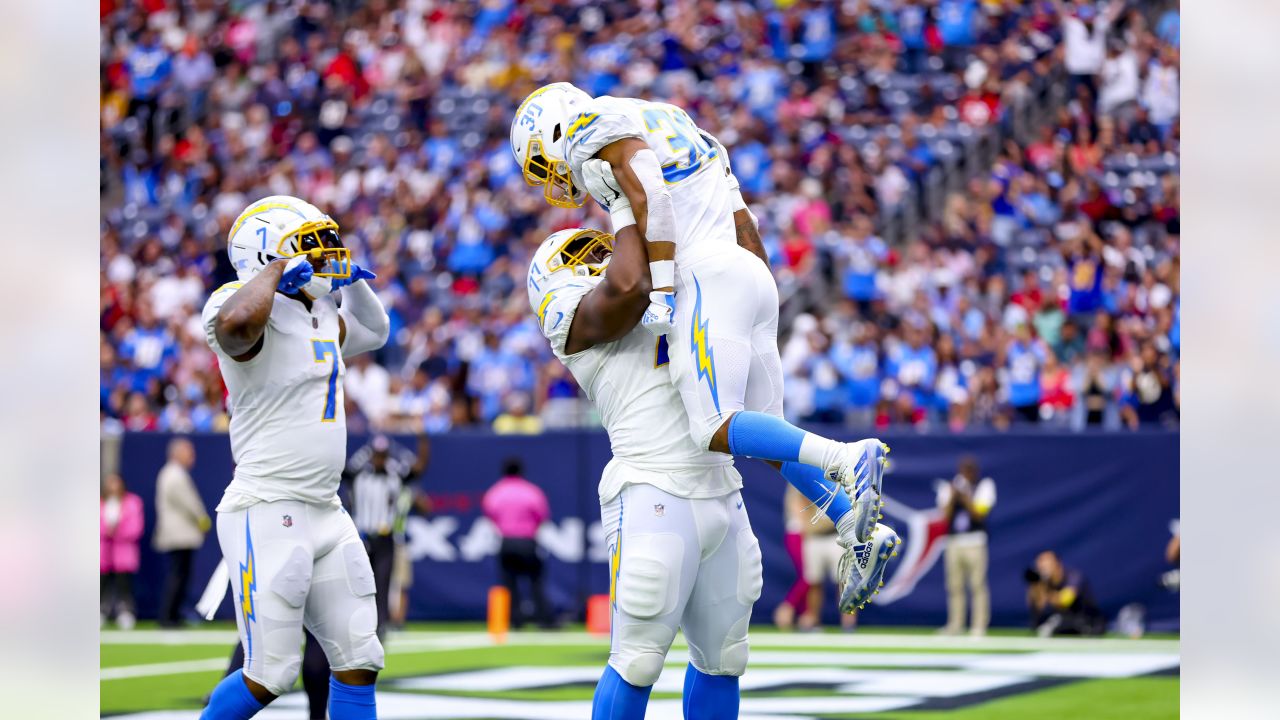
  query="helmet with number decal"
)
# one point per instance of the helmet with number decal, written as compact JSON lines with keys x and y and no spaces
{"x":566,"y":256}
{"x":538,"y":133}
{"x":280,"y":226}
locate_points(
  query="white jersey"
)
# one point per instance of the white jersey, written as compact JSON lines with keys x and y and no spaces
{"x":699,"y":194}
{"x":630,"y":385}
{"x":288,"y":427}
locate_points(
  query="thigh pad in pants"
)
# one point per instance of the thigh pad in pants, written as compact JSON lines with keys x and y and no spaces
{"x":648,"y":596}
{"x":341,"y":611}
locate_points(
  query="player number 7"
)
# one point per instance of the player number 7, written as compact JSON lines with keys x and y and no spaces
{"x":328,"y":350}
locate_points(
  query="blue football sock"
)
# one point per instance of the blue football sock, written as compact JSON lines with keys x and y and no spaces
{"x":351,"y":702}
{"x":811,"y":483}
{"x":231,"y":700}
{"x":767,"y":437}
{"x":710,"y":697}
{"x":617,"y":699}
{"x":764,"y":436}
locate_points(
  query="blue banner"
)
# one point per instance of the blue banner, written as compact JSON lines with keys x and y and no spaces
{"x":1104,"y":502}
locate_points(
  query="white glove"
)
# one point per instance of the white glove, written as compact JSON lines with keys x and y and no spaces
{"x":597,"y":177}
{"x":660,"y":317}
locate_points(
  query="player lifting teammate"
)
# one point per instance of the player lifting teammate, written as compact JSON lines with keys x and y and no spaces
{"x":660,"y":173}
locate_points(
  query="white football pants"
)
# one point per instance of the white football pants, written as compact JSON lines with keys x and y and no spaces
{"x":724,"y":348}
{"x":294,"y":564}
{"x":682,"y":563}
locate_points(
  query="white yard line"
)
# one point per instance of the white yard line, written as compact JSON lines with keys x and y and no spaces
{"x":125,"y":672}
{"x":426,"y":640}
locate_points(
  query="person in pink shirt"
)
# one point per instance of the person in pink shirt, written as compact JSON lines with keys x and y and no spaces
{"x":120,"y":528}
{"x":518,"y":508}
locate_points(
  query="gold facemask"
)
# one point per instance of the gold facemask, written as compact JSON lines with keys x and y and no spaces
{"x":323,"y":234}
{"x":585,"y":248}
{"x":557,"y":182}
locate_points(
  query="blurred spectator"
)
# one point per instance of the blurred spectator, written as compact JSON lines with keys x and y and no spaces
{"x":379,"y":474}
{"x":181,"y":524}
{"x":821,"y":555}
{"x":965,"y":502}
{"x":120,"y":529}
{"x":854,"y":130}
{"x":1060,"y":599}
{"x":518,"y":508}
{"x":796,"y":600}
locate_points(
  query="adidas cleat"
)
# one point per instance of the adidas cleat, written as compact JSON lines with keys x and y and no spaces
{"x":862,"y":478}
{"x":862,"y":568}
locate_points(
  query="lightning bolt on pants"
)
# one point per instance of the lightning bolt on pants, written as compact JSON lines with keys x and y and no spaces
{"x":296,"y":564}
{"x":724,"y":350}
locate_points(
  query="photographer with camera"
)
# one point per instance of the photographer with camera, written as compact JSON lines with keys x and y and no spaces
{"x":1060,"y":599}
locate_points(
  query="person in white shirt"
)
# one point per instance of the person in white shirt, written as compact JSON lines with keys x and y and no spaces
{"x":966,"y":501}
{"x":1084,"y":38}
{"x":1160,"y":91}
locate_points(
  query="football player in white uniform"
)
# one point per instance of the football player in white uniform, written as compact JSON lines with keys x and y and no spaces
{"x":682,"y":551}
{"x":293,"y":554}
{"x":665,"y":176}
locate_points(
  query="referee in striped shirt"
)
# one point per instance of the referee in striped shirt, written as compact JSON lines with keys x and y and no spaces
{"x":379,"y":474}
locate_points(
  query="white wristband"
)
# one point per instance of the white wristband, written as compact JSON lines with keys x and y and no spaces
{"x":621,"y":216}
{"x":662,"y":273}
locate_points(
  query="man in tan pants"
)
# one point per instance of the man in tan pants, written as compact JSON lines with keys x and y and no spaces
{"x":965,"y":502}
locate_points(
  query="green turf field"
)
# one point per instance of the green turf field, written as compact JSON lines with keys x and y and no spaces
{"x":457,"y":671}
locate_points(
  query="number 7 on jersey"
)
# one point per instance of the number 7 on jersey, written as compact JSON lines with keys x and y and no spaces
{"x":328,"y":350}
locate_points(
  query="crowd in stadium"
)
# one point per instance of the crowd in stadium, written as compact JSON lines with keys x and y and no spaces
{"x":1044,"y":291}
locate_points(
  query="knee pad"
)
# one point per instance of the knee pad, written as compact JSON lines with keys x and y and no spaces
{"x":733,"y":656}
{"x":363,"y":651}
{"x":279,"y":667}
{"x":648,"y":580}
{"x":750,"y":568}
{"x":640,"y":649}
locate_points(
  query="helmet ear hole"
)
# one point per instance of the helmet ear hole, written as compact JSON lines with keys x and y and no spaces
{"x":555,"y":133}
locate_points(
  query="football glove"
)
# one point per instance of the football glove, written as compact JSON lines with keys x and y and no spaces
{"x":660,"y":317}
{"x":357,"y":274}
{"x":296,"y":275}
{"x":598,"y":178}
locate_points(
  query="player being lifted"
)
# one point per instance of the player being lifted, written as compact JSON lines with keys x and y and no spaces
{"x":682,"y":551}
{"x":667,"y":178}
{"x":293,"y":554}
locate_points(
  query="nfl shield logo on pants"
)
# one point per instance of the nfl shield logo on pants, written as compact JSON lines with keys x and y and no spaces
{"x":659,"y":509}
{"x":287,"y":521}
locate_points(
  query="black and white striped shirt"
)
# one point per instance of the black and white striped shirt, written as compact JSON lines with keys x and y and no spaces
{"x":375,"y":495}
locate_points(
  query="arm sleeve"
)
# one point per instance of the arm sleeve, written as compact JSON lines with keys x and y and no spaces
{"x":210,"y":313}
{"x":367,"y":323}
{"x":661,"y":217}
{"x":555,"y":312}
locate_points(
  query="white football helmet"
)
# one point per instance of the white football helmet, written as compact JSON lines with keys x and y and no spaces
{"x":538,"y":133}
{"x":564,"y":257}
{"x":280,"y":226}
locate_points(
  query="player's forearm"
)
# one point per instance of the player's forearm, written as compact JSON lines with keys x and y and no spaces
{"x":748,"y":233}
{"x":243,"y":317}
{"x":367,"y":324}
{"x":639,"y":175}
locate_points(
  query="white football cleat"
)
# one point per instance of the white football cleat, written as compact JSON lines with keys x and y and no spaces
{"x":862,"y":567}
{"x":861,"y":475}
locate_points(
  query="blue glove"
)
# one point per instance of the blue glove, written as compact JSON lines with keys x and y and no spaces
{"x":357,"y":273}
{"x":296,"y":274}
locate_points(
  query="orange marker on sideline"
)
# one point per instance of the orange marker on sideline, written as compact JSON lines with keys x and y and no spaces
{"x":499,"y":612}
{"x":598,"y":614}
